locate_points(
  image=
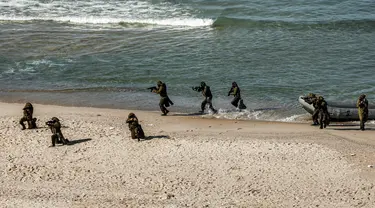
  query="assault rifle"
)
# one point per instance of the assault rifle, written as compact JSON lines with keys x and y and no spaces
{"x":152,"y":88}
{"x":198,"y":89}
{"x":50,"y":123}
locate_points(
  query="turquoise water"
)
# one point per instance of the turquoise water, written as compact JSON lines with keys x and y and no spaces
{"x":106,"y":53}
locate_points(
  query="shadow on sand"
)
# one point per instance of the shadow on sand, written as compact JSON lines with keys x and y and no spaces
{"x":73,"y":142}
{"x":343,"y":125}
{"x":188,"y":114}
{"x":353,"y":129}
{"x":47,"y":127}
{"x":155,"y":137}
{"x":348,"y":127}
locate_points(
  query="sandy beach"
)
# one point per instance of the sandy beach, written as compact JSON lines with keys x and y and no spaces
{"x":186,"y":161}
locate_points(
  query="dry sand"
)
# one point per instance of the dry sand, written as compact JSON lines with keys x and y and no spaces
{"x":187,"y":161}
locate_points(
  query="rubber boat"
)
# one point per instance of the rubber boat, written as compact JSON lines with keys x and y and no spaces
{"x":339,"y":111}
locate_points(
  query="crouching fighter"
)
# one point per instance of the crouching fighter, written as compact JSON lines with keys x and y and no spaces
{"x":57,"y":136}
{"x":28,"y":116}
{"x":135,"y":128}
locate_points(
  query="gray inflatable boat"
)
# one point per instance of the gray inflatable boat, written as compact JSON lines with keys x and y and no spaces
{"x":339,"y":111}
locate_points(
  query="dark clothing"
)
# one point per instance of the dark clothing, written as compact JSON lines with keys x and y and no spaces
{"x":135,"y":128}
{"x":162,"y":104}
{"x":235,"y":101}
{"x":162,"y":90}
{"x":313,"y":99}
{"x":206,"y":92}
{"x":321,"y":112}
{"x":132,"y":122}
{"x":318,"y":113}
{"x":57,"y":136}
{"x":28,"y":117}
{"x":362,"y":105}
{"x":207,"y":100}
{"x":164,"y":99}
{"x":241,"y":105}
{"x":236,"y":92}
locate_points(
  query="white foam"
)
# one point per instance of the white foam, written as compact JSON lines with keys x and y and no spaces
{"x":103,"y":12}
{"x":10,"y":71}
{"x":264,"y":115}
{"x":292,"y":118}
{"x":40,"y":62}
{"x":190,"y":22}
{"x":240,"y":115}
{"x":27,"y":69}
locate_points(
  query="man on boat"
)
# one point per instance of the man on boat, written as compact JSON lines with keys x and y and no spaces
{"x":362,"y":105}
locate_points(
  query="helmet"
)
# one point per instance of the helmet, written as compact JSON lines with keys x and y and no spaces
{"x":55,"y":119}
{"x":203,"y":84}
{"x":131,"y":115}
{"x":28,"y":105}
{"x":234,"y":84}
{"x":362,"y":96}
{"x":311,"y":95}
{"x":159,"y":83}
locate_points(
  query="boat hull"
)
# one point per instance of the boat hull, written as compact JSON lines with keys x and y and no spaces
{"x":339,"y":113}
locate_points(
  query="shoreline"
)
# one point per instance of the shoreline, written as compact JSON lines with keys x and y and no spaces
{"x":186,"y":161}
{"x":257,"y":114}
{"x":334,"y":127}
{"x":149,"y":102}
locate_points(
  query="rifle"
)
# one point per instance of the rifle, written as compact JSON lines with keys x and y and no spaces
{"x":198,"y":89}
{"x":50,"y":123}
{"x":152,"y":88}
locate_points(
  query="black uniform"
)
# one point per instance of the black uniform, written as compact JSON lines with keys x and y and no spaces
{"x":206,"y":92}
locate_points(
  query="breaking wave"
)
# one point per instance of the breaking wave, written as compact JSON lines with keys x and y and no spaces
{"x":188,"y":22}
{"x":267,"y":114}
{"x":131,"y":12}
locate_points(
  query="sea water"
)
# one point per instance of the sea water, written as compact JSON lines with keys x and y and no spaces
{"x":106,"y":53}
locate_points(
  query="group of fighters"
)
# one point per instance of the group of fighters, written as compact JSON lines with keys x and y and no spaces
{"x":54,"y":125}
{"x":132,"y":120}
{"x":161,"y":89}
{"x":321,"y":116}
{"x":165,"y":102}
